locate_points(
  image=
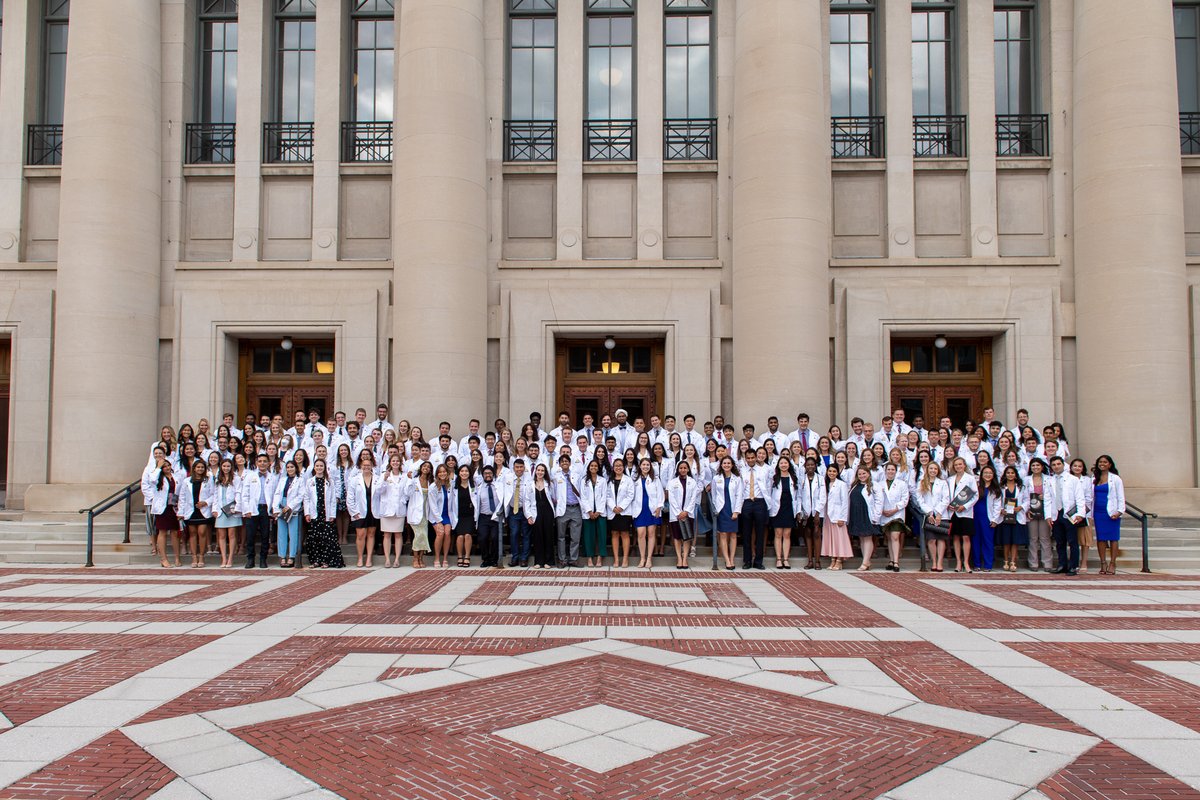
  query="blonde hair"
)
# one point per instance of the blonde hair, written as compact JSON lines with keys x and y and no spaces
{"x":927,"y":480}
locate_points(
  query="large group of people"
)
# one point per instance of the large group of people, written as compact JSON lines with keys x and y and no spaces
{"x":619,"y":488}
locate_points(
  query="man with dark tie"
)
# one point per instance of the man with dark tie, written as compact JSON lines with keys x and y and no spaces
{"x":489,"y":540}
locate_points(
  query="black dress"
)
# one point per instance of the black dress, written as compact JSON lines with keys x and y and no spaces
{"x":466,"y":513}
{"x":321,"y":544}
{"x":544,"y":539}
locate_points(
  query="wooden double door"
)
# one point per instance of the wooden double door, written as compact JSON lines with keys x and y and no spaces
{"x":959,"y":403}
{"x":285,"y":400}
{"x":638,"y":401}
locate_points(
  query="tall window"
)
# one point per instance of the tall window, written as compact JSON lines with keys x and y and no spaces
{"x":532,"y":40}
{"x":936,"y":130}
{"x":44,"y":140}
{"x":368,"y":137}
{"x":689,"y":127}
{"x":857,"y":130}
{"x":611,"y":130}
{"x":289,"y":136}
{"x":1019,"y":130}
{"x":1187,"y":73}
{"x":211,"y":137}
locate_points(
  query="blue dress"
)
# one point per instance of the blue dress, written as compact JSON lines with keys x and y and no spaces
{"x":725,"y":521}
{"x":645,"y":517}
{"x":1107,"y":528}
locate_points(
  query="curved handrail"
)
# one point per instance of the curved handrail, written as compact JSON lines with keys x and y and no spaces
{"x":124,"y":494}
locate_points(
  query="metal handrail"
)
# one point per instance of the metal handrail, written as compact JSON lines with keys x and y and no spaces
{"x":1144,"y":518}
{"x":99,"y":508}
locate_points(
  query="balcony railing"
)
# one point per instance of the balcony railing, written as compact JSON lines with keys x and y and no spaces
{"x":1022,"y":135}
{"x":1189,"y":133}
{"x":610,"y":140}
{"x":366,"y":141}
{"x":44,"y":145}
{"x":287,"y":142}
{"x":690,"y":139}
{"x":210,"y":142}
{"x":940,"y":137}
{"x":857,"y":137}
{"x":529,"y":140}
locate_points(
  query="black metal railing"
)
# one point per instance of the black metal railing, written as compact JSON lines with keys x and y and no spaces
{"x":1022,"y":135}
{"x":530,"y":140}
{"x":610,"y":140}
{"x":287,"y":142}
{"x":1189,"y":133}
{"x":1144,"y":518}
{"x":44,"y":145}
{"x":366,"y":141}
{"x":210,"y":142}
{"x":940,"y":137}
{"x":689,"y":139}
{"x":126,"y":494}
{"x":857,"y":137}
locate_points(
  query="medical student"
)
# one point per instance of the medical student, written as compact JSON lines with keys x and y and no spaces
{"x":512,"y":488}
{"x":443,"y":513}
{"x":895,"y":493}
{"x":646,"y":507}
{"x":1010,"y":515}
{"x":964,"y":491}
{"x":933,"y":500}
{"x":1087,"y":536}
{"x":835,"y":535}
{"x":320,"y":512}
{"x":983,"y":545}
{"x":754,"y":517}
{"x":596,"y":503}
{"x":727,"y":493}
{"x":783,"y":507}
{"x":287,"y":508}
{"x":683,"y":495}
{"x":539,"y":509}
{"x":258,"y":492}
{"x":225,"y":502}
{"x":194,"y":508}
{"x":1040,"y":513}
{"x":812,"y":506}
{"x":466,"y":526}
{"x":1108,"y":504}
{"x":488,"y":524}
{"x":393,"y":508}
{"x":362,"y":501}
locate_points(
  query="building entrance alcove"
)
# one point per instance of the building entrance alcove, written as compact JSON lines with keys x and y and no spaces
{"x":274,"y":378}
{"x":953,"y":380}
{"x":595,"y":379}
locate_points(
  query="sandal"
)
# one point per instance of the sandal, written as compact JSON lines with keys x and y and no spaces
{"x":787,"y":564}
{"x":864,"y":568}
{"x":778,"y":564}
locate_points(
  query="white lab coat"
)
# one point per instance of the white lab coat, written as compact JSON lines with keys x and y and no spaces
{"x":310,"y":499}
{"x":529,"y":498}
{"x":654,"y":497}
{"x":812,"y":495}
{"x":996,"y":503}
{"x":737,"y":493}
{"x":775,"y":496}
{"x":155,"y":496}
{"x":184,"y":507}
{"x":683,"y":497}
{"x":507,"y":487}
{"x":935,"y":500}
{"x":894,"y":497}
{"x":956,"y":483}
{"x":837,"y":502}
{"x":418,"y":505}
{"x":436,"y":504}
{"x":295,"y":495}
{"x":874,"y":501}
{"x":622,"y":492}
{"x":1116,"y":497}
{"x":252,"y":494}
{"x":392,"y":495}
{"x":597,"y":498}
{"x":356,"y":496}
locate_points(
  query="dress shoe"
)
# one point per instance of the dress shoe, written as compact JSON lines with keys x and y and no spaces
{"x":250,"y":564}
{"x":1060,"y":571}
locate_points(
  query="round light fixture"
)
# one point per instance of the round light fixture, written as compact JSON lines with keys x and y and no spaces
{"x":286,"y":344}
{"x":939,"y":342}
{"x":610,"y":343}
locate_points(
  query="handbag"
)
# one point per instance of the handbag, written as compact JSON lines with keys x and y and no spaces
{"x":940,"y":528}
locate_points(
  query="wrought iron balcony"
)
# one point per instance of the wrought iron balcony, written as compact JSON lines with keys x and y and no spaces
{"x":210,"y":142}
{"x":1022,"y":135}
{"x":1189,"y":133}
{"x":44,"y":145}
{"x":690,"y":139}
{"x":529,"y":140}
{"x":366,"y":141}
{"x":287,"y":142}
{"x":610,"y":140}
{"x":857,"y":137}
{"x":940,"y":137}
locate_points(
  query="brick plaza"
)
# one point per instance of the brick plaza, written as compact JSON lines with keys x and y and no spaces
{"x":470,"y":683}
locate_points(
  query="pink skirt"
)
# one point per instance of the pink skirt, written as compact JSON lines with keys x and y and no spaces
{"x":835,"y":540}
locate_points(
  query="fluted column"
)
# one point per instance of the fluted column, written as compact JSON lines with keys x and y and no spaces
{"x":1130,"y":279}
{"x":107,"y":295}
{"x":781,"y":202}
{"x":440,"y":230}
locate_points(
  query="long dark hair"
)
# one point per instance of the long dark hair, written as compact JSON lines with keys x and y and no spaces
{"x":1112,"y":466}
{"x":791,"y":472}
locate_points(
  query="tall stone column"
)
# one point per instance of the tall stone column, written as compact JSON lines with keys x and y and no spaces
{"x":104,"y":402}
{"x":1130,"y":280}
{"x":440,"y":227}
{"x":781,"y":202}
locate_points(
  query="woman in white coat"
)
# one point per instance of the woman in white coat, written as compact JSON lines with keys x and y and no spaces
{"x":812,"y":506}
{"x":835,"y":537}
{"x":1085,"y":494}
{"x":159,"y":487}
{"x":363,"y":504}
{"x":683,"y":498}
{"x":933,"y":498}
{"x":227,"y":488}
{"x":620,"y":525}
{"x":419,"y":489}
{"x":195,"y":509}
{"x":727,"y":492}
{"x":895,"y":494}
{"x":964,"y":491}
{"x":320,"y":512}
{"x":596,"y":505}
{"x":783,"y":506}
{"x":287,"y":506}
{"x":393,"y":508}
{"x":647,"y":508}
{"x":443,"y":513}
{"x":865,"y":511}
{"x":1108,"y":504}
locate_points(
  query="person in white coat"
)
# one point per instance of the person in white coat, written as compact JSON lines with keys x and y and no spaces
{"x":895,"y":493}
{"x":362,"y":502}
{"x":812,"y":506}
{"x":258,"y":491}
{"x":727,"y":492}
{"x":393,"y":508}
{"x":865,"y":511}
{"x":320,"y":513}
{"x":159,"y":487}
{"x":933,"y":498}
{"x":288,"y":509}
{"x":783,"y":509}
{"x":620,"y":523}
{"x":195,"y":510}
{"x":226,"y":488}
{"x":683,"y":498}
{"x":964,"y":490}
{"x":419,"y":490}
{"x":1108,"y":505}
{"x":596,"y":504}
{"x":646,"y":507}
{"x":1071,"y":507}
{"x":443,"y":514}
{"x":835,"y":535}
{"x":1085,"y":533}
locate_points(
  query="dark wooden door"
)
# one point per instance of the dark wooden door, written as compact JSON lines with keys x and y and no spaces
{"x":638,"y":401}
